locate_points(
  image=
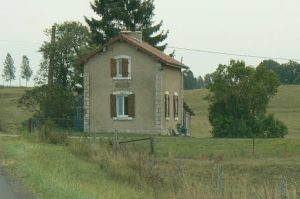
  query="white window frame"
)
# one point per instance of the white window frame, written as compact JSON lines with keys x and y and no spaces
{"x":124,"y":94}
{"x":118,"y":74}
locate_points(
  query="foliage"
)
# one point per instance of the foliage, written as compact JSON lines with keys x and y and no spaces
{"x":190,"y":82}
{"x":273,"y":127}
{"x":133,"y":15}
{"x":288,"y":73}
{"x":240,"y":96}
{"x":9,"y":69}
{"x":48,"y":134}
{"x":48,"y":102}
{"x":71,"y":41}
{"x":26,"y":71}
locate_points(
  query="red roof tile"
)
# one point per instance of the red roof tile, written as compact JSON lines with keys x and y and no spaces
{"x":143,"y":46}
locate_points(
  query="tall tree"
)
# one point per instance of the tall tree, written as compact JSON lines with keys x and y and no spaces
{"x":132,"y":15}
{"x":9,"y":69}
{"x":71,"y":41}
{"x":26,"y":71}
{"x":189,"y":81}
{"x":240,"y":96}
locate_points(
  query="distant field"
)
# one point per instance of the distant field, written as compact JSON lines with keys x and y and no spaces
{"x":285,"y":106}
{"x":10,"y":115}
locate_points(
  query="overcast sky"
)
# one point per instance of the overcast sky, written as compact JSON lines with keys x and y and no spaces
{"x":268,"y":28}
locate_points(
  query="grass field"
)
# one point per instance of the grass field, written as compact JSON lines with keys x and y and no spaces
{"x":11,"y":116}
{"x":181,"y":168}
{"x":285,"y":106}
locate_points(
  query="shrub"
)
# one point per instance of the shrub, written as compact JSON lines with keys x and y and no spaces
{"x":273,"y":128}
{"x":48,"y":134}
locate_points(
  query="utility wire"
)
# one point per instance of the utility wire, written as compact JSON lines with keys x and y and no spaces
{"x":232,"y":54}
{"x":24,"y":42}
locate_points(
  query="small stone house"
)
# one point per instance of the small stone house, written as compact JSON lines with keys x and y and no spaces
{"x":130,"y":86}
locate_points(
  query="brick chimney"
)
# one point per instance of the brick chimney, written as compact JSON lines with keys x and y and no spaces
{"x":138,"y":35}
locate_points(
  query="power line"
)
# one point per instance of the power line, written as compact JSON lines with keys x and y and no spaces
{"x":24,"y":42}
{"x":232,"y":54}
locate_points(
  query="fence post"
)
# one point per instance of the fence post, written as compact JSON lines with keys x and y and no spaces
{"x":152,"y":145}
{"x":219,"y":184}
{"x":283,"y":189}
{"x":29,"y":125}
{"x":253,"y":146}
{"x":116,"y":145}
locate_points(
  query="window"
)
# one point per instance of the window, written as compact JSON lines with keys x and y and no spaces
{"x":121,"y":67}
{"x":122,"y":105}
{"x":167,"y":105}
{"x":175,"y":103}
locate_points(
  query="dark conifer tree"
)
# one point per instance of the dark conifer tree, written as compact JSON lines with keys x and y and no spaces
{"x":131,"y":15}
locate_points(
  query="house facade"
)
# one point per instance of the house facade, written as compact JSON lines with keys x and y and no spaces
{"x":130,"y":86}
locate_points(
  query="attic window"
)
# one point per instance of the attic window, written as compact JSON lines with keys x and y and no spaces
{"x":121,"y":67}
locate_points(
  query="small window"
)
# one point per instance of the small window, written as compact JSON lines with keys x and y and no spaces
{"x":121,"y":67}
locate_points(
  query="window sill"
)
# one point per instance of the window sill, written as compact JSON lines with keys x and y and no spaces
{"x":176,"y":118}
{"x":121,"y":78}
{"x":122,"y":118}
{"x":167,"y":119}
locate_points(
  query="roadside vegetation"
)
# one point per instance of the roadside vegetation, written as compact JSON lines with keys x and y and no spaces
{"x":181,"y":167}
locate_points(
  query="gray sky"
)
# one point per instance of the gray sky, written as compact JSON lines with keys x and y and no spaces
{"x":256,"y":27}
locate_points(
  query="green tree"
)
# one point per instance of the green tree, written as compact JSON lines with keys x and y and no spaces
{"x":200,"y":82}
{"x":26,"y":71}
{"x":56,"y":100}
{"x":189,"y":81}
{"x":71,"y":42}
{"x":9,"y":69}
{"x":133,"y":15}
{"x":239,"y":98}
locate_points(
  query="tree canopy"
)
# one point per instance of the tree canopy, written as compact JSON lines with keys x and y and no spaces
{"x":26,"y":71}
{"x":118,"y":15}
{"x":239,"y":98}
{"x":71,"y":41}
{"x":9,"y":69}
{"x":288,"y":73}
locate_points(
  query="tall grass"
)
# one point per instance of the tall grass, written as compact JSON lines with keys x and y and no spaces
{"x":181,"y":168}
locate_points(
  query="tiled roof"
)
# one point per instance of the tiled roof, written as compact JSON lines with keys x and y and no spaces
{"x":143,"y":46}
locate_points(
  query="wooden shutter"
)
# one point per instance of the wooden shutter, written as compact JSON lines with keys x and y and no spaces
{"x":167,"y":105}
{"x":131,"y":105}
{"x":124,"y":67}
{"x":176,"y":105}
{"x":113,"y":69}
{"x":113,"y":103}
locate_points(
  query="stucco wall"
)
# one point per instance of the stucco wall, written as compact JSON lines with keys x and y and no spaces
{"x":142,"y":84}
{"x":172,"y":82}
